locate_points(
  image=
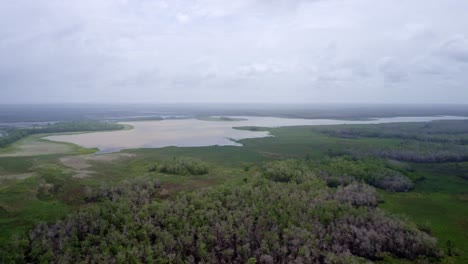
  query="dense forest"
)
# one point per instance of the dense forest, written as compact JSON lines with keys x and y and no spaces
{"x":342,"y":170}
{"x":438,"y":141}
{"x":446,"y":131}
{"x":264,"y":219}
{"x":11,"y":135}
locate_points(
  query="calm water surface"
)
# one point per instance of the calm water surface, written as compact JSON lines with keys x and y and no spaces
{"x":195,"y":133}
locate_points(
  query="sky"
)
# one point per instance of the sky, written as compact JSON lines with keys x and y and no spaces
{"x":249,"y":51}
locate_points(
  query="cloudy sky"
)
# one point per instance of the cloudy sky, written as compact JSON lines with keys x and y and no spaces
{"x":303,"y":51}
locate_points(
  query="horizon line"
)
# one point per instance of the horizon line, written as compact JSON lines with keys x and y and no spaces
{"x":232,"y":103}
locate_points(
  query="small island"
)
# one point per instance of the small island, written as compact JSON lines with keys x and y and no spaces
{"x":221,"y":118}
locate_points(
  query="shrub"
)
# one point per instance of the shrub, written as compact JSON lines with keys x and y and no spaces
{"x":183,"y":166}
{"x":343,"y":170}
{"x":287,"y":171}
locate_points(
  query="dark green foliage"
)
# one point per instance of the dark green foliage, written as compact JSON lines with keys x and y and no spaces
{"x":72,"y":126}
{"x":341,"y":170}
{"x":287,"y":171}
{"x":259,"y":221}
{"x":10,"y":135}
{"x":453,"y":131}
{"x":437,"y":141}
{"x":415,"y":151}
{"x":181,"y":166}
{"x":135,"y":192}
{"x":373,"y":171}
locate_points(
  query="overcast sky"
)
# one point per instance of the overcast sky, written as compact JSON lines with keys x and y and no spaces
{"x":394,"y":51}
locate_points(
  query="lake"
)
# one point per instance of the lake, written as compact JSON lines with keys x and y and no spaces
{"x":195,"y":132}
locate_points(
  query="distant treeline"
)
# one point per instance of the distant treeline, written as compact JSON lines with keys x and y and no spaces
{"x":45,"y":113}
{"x":258,"y":221}
{"x":415,"y":152}
{"x":446,"y":131}
{"x":11,"y":135}
{"x":437,"y":141}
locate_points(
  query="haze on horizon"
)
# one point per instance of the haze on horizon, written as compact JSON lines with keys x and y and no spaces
{"x":277,"y":51}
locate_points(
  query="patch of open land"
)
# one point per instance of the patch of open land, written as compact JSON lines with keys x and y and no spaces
{"x":81,"y":163}
{"x":34,"y":145}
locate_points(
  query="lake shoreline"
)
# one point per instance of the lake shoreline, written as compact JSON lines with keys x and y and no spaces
{"x":194,"y":132}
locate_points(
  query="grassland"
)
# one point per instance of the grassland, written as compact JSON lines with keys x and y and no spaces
{"x":438,"y":202}
{"x":35,"y":145}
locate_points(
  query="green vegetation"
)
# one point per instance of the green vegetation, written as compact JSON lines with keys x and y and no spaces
{"x":11,"y":135}
{"x":266,"y":178}
{"x":439,"y":141}
{"x":181,"y":166}
{"x":342,"y":170}
{"x":380,"y":173}
{"x":261,"y":220}
{"x":44,"y":196}
{"x":36,"y":145}
{"x":436,"y":131}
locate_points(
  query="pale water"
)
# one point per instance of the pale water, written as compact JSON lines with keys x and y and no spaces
{"x":194,"y":132}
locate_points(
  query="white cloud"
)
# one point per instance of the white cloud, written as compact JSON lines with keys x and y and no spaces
{"x":258,"y":69}
{"x":219,"y":50}
{"x":182,"y":18}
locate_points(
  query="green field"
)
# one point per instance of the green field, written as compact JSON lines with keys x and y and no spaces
{"x":36,"y":186}
{"x":440,"y":203}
